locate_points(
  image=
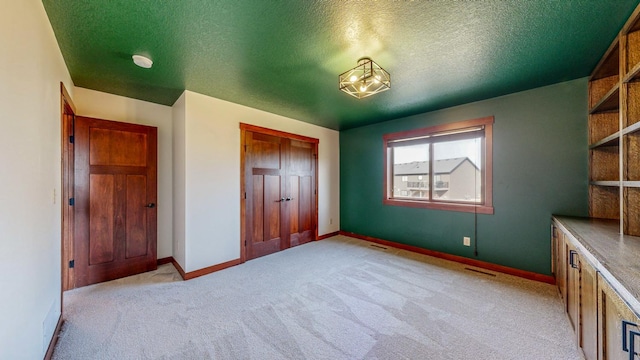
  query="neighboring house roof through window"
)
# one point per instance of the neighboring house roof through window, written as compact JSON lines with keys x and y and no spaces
{"x":444,"y":166}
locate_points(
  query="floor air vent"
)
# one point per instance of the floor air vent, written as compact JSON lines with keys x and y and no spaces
{"x":480,"y":271}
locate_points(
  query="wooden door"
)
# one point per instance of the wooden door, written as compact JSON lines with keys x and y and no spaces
{"x":265,"y":187}
{"x":115,"y":200}
{"x":279,"y":184}
{"x":588,"y":338}
{"x":301,"y":192}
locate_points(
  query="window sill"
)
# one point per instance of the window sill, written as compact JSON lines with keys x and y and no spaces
{"x":479,"y":209}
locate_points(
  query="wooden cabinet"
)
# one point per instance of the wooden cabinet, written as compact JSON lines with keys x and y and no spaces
{"x":576,"y":281}
{"x":572,"y":303}
{"x":619,"y":336}
{"x":604,"y":325}
{"x":614,"y":131}
{"x":559,"y":262}
{"x":581,"y":301}
{"x":588,"y":335}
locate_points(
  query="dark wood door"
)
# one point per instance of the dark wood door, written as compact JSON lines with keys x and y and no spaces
{"x":280,"y":192}
{"x":300,"y":192}
{"x":115,"y":200}
{"x":265,"y":186}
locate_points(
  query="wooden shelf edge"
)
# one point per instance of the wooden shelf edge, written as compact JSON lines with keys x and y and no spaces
{"x":603,"y":105}
{"x":633,"y":74}
{"x":631,"y":128}
{"x":612,"y":183}
{"x":633,"y":23}
{"x":611,"y":140}
{"x":631,"y":184}
{"x":612,"y":50}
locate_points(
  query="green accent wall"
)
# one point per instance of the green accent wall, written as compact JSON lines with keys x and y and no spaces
{"x":539,"y":169}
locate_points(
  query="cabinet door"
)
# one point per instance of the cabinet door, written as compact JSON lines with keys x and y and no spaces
{"x":560,"y":269}
{"x":573,"y":284}
{"x":615,"y":336}
{"x":588,"y":337}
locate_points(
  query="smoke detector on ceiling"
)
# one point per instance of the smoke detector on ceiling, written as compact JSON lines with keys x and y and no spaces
{"x":142,"y":61}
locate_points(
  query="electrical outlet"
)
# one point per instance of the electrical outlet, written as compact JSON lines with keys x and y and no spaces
{"x":466,"y":241}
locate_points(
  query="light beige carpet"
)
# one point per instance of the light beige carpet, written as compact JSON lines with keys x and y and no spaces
{"x":339,"y":298}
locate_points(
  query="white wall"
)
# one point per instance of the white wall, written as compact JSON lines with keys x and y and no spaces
{"x":212,"y":175}
{"x":31,"y":69}
{"x":105,"y":106}
{"x":179,"y":189}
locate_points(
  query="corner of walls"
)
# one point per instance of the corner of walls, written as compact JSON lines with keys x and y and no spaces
{"x":101,"y":105}
{"x":328,"y":180}
{"x":179,"y":190}
{"x":211,"y":168}
{"x":212,"y":186}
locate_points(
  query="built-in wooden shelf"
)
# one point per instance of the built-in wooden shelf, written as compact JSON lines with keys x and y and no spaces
{"x":631,"y":212}
{"x":614,"y":183}
{"x":603,"y":125}
{"x":633,"y":74}
{"x":605,"y":164}
{"x":611,"y":140}
{"x":609,"y":102}
{"x":609,"y":64}
{"x":631,"y":129}
{"x":604,"y":202}
{"x":614,"y":131}
{"x":633,"y":24}
{"x":631,"y":156}
{"x":599,"y":297}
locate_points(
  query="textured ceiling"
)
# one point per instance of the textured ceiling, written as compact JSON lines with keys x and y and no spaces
{"x":284,"y":56}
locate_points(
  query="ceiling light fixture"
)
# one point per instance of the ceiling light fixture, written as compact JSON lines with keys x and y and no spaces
{"x":366,"y":79}
{"x":142,"y":61}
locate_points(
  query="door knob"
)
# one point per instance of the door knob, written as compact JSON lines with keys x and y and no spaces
{"x":289,"y":198}
{"x":150,"y":205}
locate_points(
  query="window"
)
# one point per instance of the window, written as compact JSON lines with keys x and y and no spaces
{"x":446,"y":167}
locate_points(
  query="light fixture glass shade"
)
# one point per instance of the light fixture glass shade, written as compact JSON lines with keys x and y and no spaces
{"x":364,"y":80}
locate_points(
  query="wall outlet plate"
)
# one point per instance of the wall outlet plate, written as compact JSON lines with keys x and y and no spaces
{"x":466,"y":241}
